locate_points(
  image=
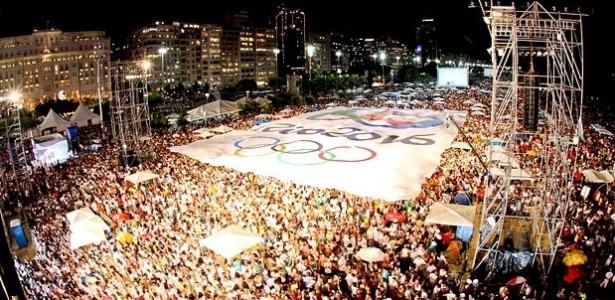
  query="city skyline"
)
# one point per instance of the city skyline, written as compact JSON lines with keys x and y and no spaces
{"x":460,"y":29}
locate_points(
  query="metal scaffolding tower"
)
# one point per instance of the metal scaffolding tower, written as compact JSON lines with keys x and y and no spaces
{"x":537,"y":58}
{"x":18,"y":185}
{"x":130,"y":117}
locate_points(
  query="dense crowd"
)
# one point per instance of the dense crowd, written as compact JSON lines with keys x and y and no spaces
{"x":311,"y":235}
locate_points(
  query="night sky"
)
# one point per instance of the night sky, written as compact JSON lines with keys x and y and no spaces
{"x":460,"y":28}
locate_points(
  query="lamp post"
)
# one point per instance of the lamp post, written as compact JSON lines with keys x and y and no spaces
{"x":383,"y":56}
{"x":338,"y":53}
{"x":146,"y":65}
{"x":162,"y":51}
{"x":374,"y":57}
{"x":310,"y":53}
{"x":276,"y":51}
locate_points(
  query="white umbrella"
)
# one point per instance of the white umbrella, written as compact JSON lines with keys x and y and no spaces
{"x":231,"y":241}
{"x":371,"y":254}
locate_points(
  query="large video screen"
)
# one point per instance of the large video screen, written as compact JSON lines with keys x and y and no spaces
{"x":453,"y":77}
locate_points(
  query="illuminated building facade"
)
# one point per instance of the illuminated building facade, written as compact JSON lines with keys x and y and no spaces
{"x":426,"y":41}
{"x":206,"y":53}
{"x":290,"y":30}
{"x":48,"y":61}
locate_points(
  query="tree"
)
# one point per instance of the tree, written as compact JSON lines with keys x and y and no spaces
{"x":249,"y":108}
{"x":408,"y":73}
{"x":276,"y":82}
{"x":154,"y":99}
{"x":247,"y":85}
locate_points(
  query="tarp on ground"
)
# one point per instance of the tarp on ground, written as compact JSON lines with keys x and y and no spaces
{"x":451,"y":214}
{"x":352,"y":149}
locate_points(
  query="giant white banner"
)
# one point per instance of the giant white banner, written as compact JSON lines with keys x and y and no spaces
{"x":383,"y":153}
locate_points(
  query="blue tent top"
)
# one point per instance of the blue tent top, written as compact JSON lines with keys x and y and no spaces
{"x":461,"y":198}
{"x":312,"y":109}
{"x":259,"y":122}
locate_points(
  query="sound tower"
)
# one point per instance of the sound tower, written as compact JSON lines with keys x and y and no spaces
{"x":128,"y":158}
{"x":530,"y":109}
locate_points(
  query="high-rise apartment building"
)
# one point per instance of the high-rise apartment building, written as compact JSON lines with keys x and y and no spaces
{"x":40,"y":65}
{"x":426,"y":41}
{"x":206,"y":53}
{"x":321,"y":58}
{"x":290,"y":30}
{"x":159,"y":43}
{"x":247,"y":51}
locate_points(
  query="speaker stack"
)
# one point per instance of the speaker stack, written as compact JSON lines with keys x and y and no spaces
{"x":128,"y":158}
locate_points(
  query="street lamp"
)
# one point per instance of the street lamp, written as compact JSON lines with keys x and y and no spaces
{"x":310,"y":53}
{"x":146,"y":65}
{"x":276,"y":51}
{"x":374,"y":57}
{"x":338,"y":53}
{"x":383,"y":56}
{"x":162,"y":51}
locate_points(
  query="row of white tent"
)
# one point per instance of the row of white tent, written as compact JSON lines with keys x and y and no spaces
{"x":221,"y":107}
{"x":82,"y":116}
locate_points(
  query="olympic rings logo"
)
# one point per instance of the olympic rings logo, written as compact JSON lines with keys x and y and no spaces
{"x":293,"y":152}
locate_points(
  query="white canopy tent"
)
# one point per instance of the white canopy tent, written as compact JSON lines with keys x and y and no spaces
{"x":259,"y":100}
{"x":263,"y":116}
{"x":86,"y":228}
{"x":83,"y":116}
{"x":451,"y":214}
{"x":594,"y":176}
{"x":141,"y":177}
{"x":212,"y":109}
{"x":86,"y":234}
{"x":206,"y":134}
{"x":202,"y":130}
{"x":461,"y":145}
{"x":222,"y":129}
{"x":515,"y":174}
{"x":231,"y":241}
{"x":53,"y":120}
{"x":82,"y":214}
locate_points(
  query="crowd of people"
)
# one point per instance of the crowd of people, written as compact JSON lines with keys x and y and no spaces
{"x":310,"y":235}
